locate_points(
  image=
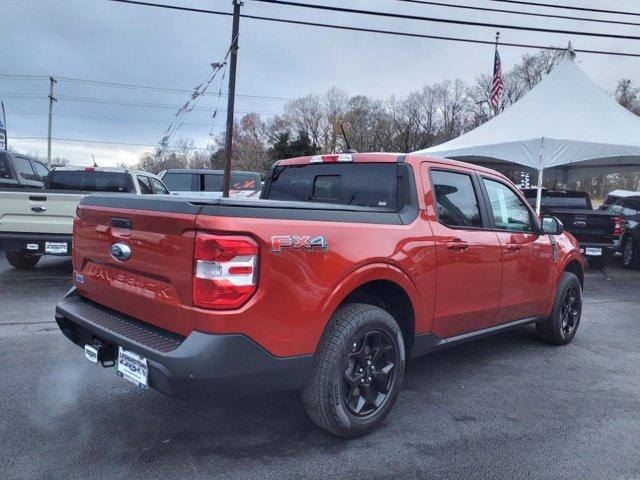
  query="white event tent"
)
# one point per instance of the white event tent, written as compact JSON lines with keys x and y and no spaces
{"x":566,"y":127}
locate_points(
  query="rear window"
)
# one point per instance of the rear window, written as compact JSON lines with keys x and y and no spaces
{"x":182,"y":182}
{"x":88,"y":181}
{"x":559,"y":200}
{"x":361,"y":184}
{"x":238,"y":181}
{"x":4,"y":166}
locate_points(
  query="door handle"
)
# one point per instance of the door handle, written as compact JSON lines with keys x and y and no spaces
{"x":514,"y":247}
{"x":457,"y":244}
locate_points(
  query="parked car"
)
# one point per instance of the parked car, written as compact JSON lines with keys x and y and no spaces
{"x":614,"y":195}
{"x":347,"y":267}
{"x":18,"y":171}
{"x":628,"y":209}
{"x":597,"y":231}
{"x":39,"y":222}
{"x":203,"y":183}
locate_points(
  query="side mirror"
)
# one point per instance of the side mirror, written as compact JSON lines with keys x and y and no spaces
{"x":552,"y":226}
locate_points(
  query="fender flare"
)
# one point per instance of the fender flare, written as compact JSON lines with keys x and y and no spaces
{"x":369,"y":273}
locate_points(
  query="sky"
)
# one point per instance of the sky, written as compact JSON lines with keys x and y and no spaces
{"x":113,"y":42}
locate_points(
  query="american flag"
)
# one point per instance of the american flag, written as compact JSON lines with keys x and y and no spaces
{"x":497,"y":85}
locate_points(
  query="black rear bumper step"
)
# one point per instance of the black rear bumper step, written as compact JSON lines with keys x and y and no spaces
{"x":77,"y":308}
{"x":201,"y":364}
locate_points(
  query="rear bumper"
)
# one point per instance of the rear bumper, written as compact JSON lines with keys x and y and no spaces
{"x":17,"y":242}
{"x":200,"y":364}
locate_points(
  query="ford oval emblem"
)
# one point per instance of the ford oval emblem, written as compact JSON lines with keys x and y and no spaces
{"x":120,"y":251}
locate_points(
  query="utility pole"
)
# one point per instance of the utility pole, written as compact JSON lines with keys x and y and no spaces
{"x":51,"y":100}
{"x":235,"y":31}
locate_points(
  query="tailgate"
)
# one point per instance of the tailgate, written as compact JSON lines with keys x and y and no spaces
{"x":37,"y":211}
{"x":588,"y":226}
{"x":154,"y":283}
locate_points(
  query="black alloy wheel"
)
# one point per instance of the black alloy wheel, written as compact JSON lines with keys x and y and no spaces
{"x":370,"y":373}
{"x":628,"y":253}
{"x":570,"y":314}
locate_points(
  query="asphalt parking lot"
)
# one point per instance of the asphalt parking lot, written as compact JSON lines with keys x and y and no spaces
{"x":502,"y":407}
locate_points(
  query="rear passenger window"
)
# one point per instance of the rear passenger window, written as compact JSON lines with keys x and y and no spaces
{"x":23,"y":166}
{"x":456,"y":200}
{"x":509,"y":212}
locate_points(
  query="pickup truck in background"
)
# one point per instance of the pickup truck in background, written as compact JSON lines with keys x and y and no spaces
{"x":597,"y":231}
{"x":19,"y":171}
{"x":347,"y":266}
{"x":36,"y":222}
{"x":204,"y":183}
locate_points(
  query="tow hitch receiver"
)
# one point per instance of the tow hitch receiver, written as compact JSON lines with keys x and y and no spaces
{"x":101,"y":352}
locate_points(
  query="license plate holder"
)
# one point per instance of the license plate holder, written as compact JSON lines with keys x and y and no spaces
{"x":56,"y":248}
{"x":133,"y":367}
{"x":593,"y":251}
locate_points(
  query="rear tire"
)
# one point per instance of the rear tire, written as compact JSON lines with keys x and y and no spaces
{"x":563,"y":323}
{"x":630,"y":255}
{"x":357,"y":371}
{"x":22,"y":261}
{"x":598,"y":263}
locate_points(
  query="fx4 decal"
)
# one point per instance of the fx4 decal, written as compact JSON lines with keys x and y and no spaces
{"x":298,"y":242}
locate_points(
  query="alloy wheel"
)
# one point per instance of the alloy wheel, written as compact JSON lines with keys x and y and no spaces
{"x":370,"y":373}
{"x":627,"y":253}
{"x":570,"y":313}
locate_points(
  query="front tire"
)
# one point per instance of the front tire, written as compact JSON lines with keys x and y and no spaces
{"x":563,"y":323}
{"x":22,"y":261}
{"x":630,"y":255}
{"x":357,"y":371}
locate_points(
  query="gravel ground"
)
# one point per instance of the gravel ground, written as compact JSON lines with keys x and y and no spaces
{"x":502,"y":407}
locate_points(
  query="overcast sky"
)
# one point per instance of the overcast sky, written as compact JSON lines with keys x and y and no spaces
{"x":112,"y":42}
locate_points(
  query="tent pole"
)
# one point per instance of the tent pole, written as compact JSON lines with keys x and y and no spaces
{"x":540,"y":170}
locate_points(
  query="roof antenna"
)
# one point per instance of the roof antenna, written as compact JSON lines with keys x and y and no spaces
{"x":95,"y":164}
{"x":346,"y":141}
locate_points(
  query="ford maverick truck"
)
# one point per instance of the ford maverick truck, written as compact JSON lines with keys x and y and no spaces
{"x":348,"y":266}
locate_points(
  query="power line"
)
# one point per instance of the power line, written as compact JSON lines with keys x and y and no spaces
{"x":131,"y":144}
{"x":107,"y":101}
{"x":131,"y":86}
{"x":378,"y":31}
{"x":568,"y":7}
{"x":447,"y":20}
{"x":115,"y":119}
{"x":516,"y":12}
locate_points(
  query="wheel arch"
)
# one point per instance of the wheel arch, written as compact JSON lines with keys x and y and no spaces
{"x":575,"y":266}
{"x":384,"y":286}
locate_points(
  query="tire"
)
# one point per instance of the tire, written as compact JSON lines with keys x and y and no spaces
{"x":630,"y":254}
{"x":333,"y":396}
{"x":22,"y":261}
{"x":563,"y":323}
{"x":598,"y":263}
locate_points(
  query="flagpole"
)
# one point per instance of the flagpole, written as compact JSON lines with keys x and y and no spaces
{"x":495,"y":109}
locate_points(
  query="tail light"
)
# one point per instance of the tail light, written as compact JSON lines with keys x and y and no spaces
{"x":617,"y":228}
{"x":76,"y":221}
{"x":225,"y":270}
